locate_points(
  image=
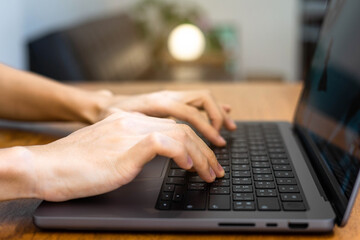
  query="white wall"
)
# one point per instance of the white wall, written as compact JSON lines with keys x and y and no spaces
{"x":11,"y":34}
{"x":268,"y":33}
{"x":268,"y":29}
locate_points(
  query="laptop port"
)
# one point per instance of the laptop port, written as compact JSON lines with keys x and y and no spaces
{"x":271,"y":225}
{"x":236,"y":224}
{"x":298,"y":225}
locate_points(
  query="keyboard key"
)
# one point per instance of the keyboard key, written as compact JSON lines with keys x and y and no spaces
{"x":226,"y":168}
{"x":197,"y":186}
{"x":260,"y":164}
{"x":259,"y":158}
{"x":244,"y":205}
{"x":266,"y":193}
{"x":274,"y":145}
{"x":261,"y":170}
{"x":276,"y":150}
{"x":177,"y":181}
{"x":256,"y":148}
{"x":273,"y":140}
{"x":294,"y":206}
{"x":241,"y":181}
{"x":263,"y":177}
{"x":219,"y":190}
{"x":268,"y":204}
{"x":278,"y":155}
{"x":286,"y":181}
{"x":219,"y":202}
{"x":282,"y":168}
{"x":288,"y":189}
{"x":240,"y":161}
{"x":224,"y":162}
{"x":283,"y":174}
{"x":239,"y":150}
{"x":221,"y":183}
{"x":220,"y":150}
{"x":177,"y":173}
{"x":164,"y":205}
{"x":243,"y":167}
{"x":241,"y":174}
{"x":239,"y":155}
{"x":168,"y":188}
{"x":266,"y":185}
{"x":222,"y":156}
{"x":195,"y":200}
{"x":167,"y":196}
{"x":291,"y":197}
{"x":258,"y":153}
{"x":242,"y":188}
{"x":178,"y":194}
{"x":243,"y":196}
{"x":196,"y":179}
{"x":280,"y":161}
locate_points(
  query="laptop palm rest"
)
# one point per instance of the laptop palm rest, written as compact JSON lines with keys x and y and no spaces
{"x":153,"y":169}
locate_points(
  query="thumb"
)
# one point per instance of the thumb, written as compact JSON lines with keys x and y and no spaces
{"x":156,"y":144}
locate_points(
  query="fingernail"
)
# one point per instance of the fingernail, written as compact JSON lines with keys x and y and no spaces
{"x":190,"y":161}
{"x":212,"y":173}
{"x":221,"y":140}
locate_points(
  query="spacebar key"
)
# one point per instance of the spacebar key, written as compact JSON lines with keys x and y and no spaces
{"x":195,"y":200}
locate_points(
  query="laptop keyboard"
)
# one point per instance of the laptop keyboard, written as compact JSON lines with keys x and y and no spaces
{"x":258,"y":176}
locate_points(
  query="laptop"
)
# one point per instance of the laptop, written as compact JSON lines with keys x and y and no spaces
{"x":279,"y":176}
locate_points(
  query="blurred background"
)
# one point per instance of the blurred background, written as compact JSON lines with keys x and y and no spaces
{"x":161,"y":40}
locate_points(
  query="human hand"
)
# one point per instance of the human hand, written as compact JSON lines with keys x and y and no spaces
{"x":104,"y":156}
{"x":183,"y":105}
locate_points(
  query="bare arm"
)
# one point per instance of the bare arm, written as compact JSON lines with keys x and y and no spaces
{"x":30,"y":97}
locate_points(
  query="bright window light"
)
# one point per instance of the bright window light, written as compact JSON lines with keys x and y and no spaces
{"x":186,"y":42}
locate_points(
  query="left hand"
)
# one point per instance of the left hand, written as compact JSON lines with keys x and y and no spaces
{"x":183,"y":105}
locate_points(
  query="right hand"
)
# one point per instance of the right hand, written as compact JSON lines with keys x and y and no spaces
{"x":104,"y":156}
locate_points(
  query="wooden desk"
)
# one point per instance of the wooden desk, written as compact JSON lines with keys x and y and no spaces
{"x":249,"y":102}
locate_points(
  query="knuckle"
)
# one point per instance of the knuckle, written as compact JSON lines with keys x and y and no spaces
{"x":186,"y":129}
{"x":203,"y":164}
{"x":182,"y":132}
{"x":154,"y":140}
{"x":192,"y":112}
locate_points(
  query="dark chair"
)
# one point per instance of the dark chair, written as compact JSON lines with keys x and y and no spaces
{"x":107,"y":49}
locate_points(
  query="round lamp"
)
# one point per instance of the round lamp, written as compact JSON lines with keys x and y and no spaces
{"x":186,"y":42}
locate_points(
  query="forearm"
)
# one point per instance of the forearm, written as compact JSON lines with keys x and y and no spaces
{"x":30,"y":97}
{"x":17,"y":174}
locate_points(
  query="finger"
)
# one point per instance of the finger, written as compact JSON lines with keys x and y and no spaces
{"x":204,"y":160}
{"x":212,"y":109}
{"x":194,"y":117}
{"x":196,"y":141}
{"x":226,"y":108}
{"x":228,"y":122}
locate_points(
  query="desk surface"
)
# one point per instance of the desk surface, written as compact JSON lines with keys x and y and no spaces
{"x":249,"y":102}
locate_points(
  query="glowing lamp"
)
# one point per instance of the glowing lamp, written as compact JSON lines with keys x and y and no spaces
{"x":186,"y":42}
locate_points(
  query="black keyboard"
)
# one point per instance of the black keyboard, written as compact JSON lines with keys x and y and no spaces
{"x":258,"y":176}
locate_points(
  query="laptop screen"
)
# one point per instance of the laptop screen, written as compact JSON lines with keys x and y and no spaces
{"x":328,"y":115}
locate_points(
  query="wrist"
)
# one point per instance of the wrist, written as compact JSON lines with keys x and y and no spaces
{"x":92,"y":105}
{"x":17,"y":174}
